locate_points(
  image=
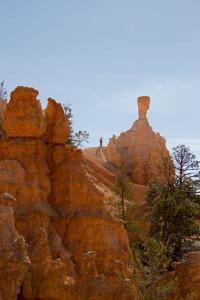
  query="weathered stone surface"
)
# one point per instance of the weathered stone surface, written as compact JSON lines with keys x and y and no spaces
{"x":24,"y":116}
{"x":85,"y":214}
{"x":24,"y":173}
{"x":139,"y":148}
{"x":3,"y":104}
{"x":143,"y":106}
{"x":59,"y":211}
{"x":14,"y":261}
{"x":57,"y":125}
{"x":142,"y":143}
{"x":103,"y":174}
{"x":48,"y":278}
{"x":76,"y":248}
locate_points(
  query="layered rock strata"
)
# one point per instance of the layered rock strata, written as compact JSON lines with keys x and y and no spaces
{"x":14,"y":261}
{"x":76,"y":249}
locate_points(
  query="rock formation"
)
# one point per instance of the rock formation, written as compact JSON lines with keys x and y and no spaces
{"x":14,"y":261}
{"x":57,"y":129}
{"x":76,"y":249}
{"x":60,"y":239}
{"x":3,"y":104}
{"x":143,"y":106}
{"x":24,"y":115}
{"x":140,"y":148}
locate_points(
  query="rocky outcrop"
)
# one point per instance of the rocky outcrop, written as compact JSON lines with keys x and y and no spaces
{"x":57,"y":125}
{"x":143,"y":106}
{"x":24,"y":116}
{"x":3,"y":104}
{"x":77,"y":250}
{"x":140,"y":149}
{"x":103,"y":174}
{"x":14,"y":261}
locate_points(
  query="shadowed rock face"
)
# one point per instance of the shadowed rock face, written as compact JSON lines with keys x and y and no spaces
{"x":14,"y":261}
{"x":139,"y":148}
{"x":77,"y":250}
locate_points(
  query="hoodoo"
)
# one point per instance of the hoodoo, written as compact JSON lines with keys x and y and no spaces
{"x":139,"y":148}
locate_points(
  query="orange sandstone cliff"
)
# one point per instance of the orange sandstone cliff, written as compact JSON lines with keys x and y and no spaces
{"x":61,"y":237}
{"x":75,"y":248}
{"x":142,"y":150}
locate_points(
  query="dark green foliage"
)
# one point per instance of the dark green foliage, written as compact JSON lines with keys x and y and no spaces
{"x":173,"y":219}
{"x":165,"y":169}
{"x":80,"y":137}
{"x":150,"y":261}
{"x":3,"y":92}
{"x":186,"y":165}
{"x":154,"y":256}
{"x":123,"y":189}
{"x":68,"y":113}
{"x":76,"y":139}
{"x":174,"y":209}
{"x":3,"y":98}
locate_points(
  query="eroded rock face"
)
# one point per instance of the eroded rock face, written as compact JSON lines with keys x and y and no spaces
{"x":14,"y":261}
{"x":57,"y":124}
{"x":3,"y":104}
{"x":24,"y":116}
{"x":139,"y":148}
{"x":143,"y":106}
{"x":77,"y":250}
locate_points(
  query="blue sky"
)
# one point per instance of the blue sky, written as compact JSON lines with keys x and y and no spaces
{"x":100,"y":55}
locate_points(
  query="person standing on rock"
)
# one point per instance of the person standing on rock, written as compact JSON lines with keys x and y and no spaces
{"x":101,"y":142}
{"x":98,"y":151}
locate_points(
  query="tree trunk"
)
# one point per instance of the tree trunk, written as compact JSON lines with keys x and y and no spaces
{"x":123,"y":210}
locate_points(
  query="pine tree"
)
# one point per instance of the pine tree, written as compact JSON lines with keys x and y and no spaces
{"x":186,"y":165}
{"x":123,"y":189}
{"x":78,"y":138}
{"x":3,"y":91}
{"x":175,"y":209}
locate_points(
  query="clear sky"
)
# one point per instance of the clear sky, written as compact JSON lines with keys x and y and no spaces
{"x":99,"y":55}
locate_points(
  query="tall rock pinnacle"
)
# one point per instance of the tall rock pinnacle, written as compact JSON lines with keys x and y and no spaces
{"x":140,"y":149}
{"x":143,"y":106}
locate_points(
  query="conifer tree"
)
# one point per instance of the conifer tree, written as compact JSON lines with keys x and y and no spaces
{"x":75,"y":139}
{"x":123,"y":189}
{"x":3,"y":91}
{"x":174,"y":210}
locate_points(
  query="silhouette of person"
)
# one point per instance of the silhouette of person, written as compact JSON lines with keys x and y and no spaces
{"x":101,"y":142}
